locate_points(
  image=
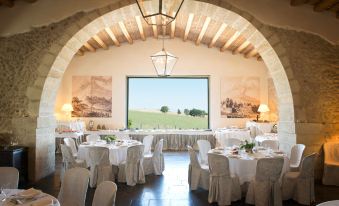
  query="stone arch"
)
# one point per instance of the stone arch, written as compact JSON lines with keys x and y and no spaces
{"x":55,"y":62}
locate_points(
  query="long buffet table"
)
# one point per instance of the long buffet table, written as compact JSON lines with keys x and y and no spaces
{"x":173,"y":139}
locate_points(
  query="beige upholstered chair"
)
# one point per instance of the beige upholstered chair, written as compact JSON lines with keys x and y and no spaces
{"x":300,"y":185}
{"x":204,"y":147}
{"x":74,"y":187}
{"x":265,"y":189}
{"x":147,"y":141}
{"x":71,"y":144}
{"x":331,"y":164}
{"x":132,"y":171}
{"x":198,"y":175}
{"x":92,"y":138}
{"x":223,"y":188}
{"x":68,"y":160}
{"x":155,"y":164}
{"x":9,"y":177}
{"x":296,"y":156}
{"x":100,"y":166}
{"x":105,"y":194}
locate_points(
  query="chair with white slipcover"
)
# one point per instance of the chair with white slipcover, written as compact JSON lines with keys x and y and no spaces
{"x":74,"y":187}
{"x":198,"y":175}
{"x":329,"y":203}
{"x":296,"y":156}
{"x":92,"y":138}
{"x":68,"y":160}
{"x":300,"y":185}
{"x":264,"y":189}
{"x":131,"y":171}
{"x":100,"y":166}
{"x":229,"y":142}
{"x":331,"y":164}
{"x":9,"y":177}
{"x":204,"y":147}
{"x":155,"y":164}
{"x":71,"y":144}
{"x":123,"y":136}
{"x":223,"y":187}
{"x":272,"y":144}
{"x":147,"y":142}
{"x":105,"y":194}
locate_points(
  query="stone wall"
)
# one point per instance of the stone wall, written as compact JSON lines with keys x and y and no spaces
{"x":310,"y":62}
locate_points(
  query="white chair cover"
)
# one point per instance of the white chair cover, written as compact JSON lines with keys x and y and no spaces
{"x":132,"y":171}
{"x":273,"y":144}
{"x":71,"y":144}
{"x":265,"y":189}
{"x":147,"y":141}
{"x":300,"y":185}
{"x":296,"y":155}
{"x":100,"y":166}
{"x":122,"y":136}
{"x":198,"y":175}
{"x":155,"y":164}
{"x":329,"y":203}
{"x":68,"y":160}
{"x":204,"y":147}
{"x":105,"y":194}
{"x":74,"y":187}
{"x":331,"y":164}
{"x":9,"y":177}
{"x":92,"y":138}
{"x":223,"y":188}
{"x":229,"y":142}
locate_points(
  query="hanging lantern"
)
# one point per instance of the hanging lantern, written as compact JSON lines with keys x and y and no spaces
{"x":165,"y":10}
{"x":163,"y":62}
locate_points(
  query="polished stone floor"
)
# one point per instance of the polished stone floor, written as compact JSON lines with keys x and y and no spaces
{"x":170,"y":189}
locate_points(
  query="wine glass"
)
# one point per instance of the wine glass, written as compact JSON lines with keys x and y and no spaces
{"x":4,"y":191}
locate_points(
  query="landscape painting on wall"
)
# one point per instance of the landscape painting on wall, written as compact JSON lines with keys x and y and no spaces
{"x":240,"y":97}
{"x":92,"y":96}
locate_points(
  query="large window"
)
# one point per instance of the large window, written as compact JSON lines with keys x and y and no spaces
{"x":167,"y":103}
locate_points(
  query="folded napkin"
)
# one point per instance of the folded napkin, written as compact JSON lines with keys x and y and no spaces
{"x":30,"y":193}
{"x":45,"y":201}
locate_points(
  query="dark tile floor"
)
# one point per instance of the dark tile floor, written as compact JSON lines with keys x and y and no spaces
{"x":170,"y":189}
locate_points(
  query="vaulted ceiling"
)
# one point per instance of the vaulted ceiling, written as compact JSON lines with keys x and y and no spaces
{"x":10,"y":3}
{"x":320,"y":5}
{"x":202,"y":30}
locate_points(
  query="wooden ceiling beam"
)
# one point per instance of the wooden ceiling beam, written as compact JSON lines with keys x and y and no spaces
{"x":203,"y":30}
{"x":140,"y":27}
{"x":80,"y":53}
{"x":230,"y":41}
{"x":217,"y":35}
{"x":100,"y":42}
{"x":298,"y":2}
{"x":188,"y":25}
{"x":112,"y":36}
{"x":125,"y":32}
{"x":241,"y":47}
{"x":251,"y":53}
{"x":154,"y":27}
{"x":89,"y":47}
{"x":172,"y":34}
{"x":324,"y":5}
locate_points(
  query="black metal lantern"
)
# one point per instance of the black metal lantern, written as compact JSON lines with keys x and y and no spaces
{"x":167,"y":10}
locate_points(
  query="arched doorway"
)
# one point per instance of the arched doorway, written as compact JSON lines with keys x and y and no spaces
{"x":59,"y":56}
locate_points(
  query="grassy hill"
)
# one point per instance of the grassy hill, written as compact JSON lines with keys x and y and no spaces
{"x":150,"y":120}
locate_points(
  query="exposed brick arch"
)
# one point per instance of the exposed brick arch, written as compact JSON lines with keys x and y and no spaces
{"x":55,"y":62}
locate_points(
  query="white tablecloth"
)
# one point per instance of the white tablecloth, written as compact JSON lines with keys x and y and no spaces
{"x":266,"y":136}
{"x":39,"y":198}
{"x":260,"y":127}
{"x":117,"y":154}
{"x":222,"y":135}
{"x":244,"y":166}
{"x":59,"y":139}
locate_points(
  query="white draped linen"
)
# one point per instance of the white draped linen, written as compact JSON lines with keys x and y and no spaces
{"x":105,"y":194}
{"x":198,"y":175}
{"x":259,"y":128}
{"x":155,"y":163}
{"x":131,"y":171}
{"x":147,"y":141}
{"x":92,"y":138}
{"x":68,"y":160}
{"x":272,"y":144}
{"x":222,"y":136}
{"x":100,"y":166}
{"x":9,"y":177}
{"x":39,"y":199}
{"x":296,"y":155}
{"x":204,"y":147}
{"x":266,"y":136}
{"x":74,"y":187}
{"x":331,"y":164}
{"x":223,"y":188}
{"x":71,"y":144}
{"x":300,"y":185}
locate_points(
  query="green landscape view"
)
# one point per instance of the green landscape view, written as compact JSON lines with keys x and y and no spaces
{"x":151,"y":120}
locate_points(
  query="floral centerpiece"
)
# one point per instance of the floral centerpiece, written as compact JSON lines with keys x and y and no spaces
{"x":110,"y":138}
{"x":247,"y":146}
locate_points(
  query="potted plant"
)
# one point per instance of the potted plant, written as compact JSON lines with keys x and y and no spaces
{"x":110,"y":138}
{"x":247,"y":146}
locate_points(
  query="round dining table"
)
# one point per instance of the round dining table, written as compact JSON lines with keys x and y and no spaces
{"x":117,"y":151}
{"x":244,"y":165}
{"x":12,"y":197}
{"x":223,"y":135}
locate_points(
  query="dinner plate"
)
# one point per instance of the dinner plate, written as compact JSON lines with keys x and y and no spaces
{"x":30,"y":193}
